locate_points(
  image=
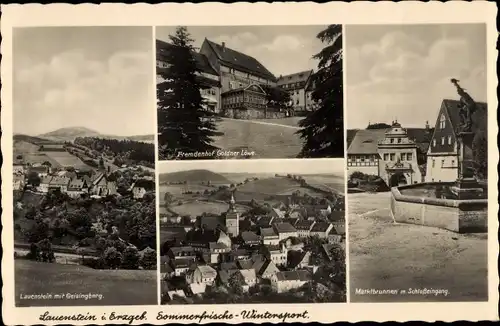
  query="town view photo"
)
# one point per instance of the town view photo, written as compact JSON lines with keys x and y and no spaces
{"x":84,"y":166}
{"x":417,"y":162}
{"x":248,"y":232}
{"x":233,"y":92}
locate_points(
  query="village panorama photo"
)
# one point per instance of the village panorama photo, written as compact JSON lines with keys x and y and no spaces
{"x":417,"y":162}
{"x":84,"y":166}
{"x":248,"y":232}
{"x":233,"y":92}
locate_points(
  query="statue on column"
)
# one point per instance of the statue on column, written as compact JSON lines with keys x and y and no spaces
{"x":467,"y":107}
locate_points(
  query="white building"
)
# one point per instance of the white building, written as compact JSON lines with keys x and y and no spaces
{"x":286,"y":281}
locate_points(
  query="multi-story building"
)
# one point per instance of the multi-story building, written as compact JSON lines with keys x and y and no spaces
{"x":206,"y":75}
{"x":247,"y":102}
{"x":236,"y":70}
{"x":286,"y":281}
{"x":442,"y":156}
{"x":390,"y":153}
{"x":297,"y":85}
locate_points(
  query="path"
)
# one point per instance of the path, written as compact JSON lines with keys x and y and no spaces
{"x":263,"y":123}
{"x":385,"y":255}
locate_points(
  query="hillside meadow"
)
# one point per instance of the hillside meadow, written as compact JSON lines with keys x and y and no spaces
{"x":118,"y":287}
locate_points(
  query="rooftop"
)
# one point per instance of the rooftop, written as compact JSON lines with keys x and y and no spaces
{"x":284,"y":228}
{"x":294,"y":276}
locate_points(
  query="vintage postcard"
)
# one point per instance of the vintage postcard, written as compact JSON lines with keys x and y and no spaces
{"x":250,"y":162}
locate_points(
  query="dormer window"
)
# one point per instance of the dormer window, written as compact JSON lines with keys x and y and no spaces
{"x":442,"y":122}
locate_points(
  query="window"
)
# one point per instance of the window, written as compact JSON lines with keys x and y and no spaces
{"x":403,"y":156}
{"x":449,"y":140}
{"x":393,"y":156}
{"x":409,"y":156}
{"x":362,"y":158}
{"x":386,"y":157}
{"x":442,"y":163}
{"x":442,"y":140}
{"x":452,"y":163}
{"x":399,"y":140}
{"x":392,"y":140}
{"x":442,"y":122}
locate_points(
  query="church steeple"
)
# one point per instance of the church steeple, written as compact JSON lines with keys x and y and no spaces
{"x":232,"y":203}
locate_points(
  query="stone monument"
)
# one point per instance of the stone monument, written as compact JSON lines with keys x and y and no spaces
{"x":466,"y":186}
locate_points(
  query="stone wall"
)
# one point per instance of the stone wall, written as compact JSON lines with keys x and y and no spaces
{"x":454,"y":215}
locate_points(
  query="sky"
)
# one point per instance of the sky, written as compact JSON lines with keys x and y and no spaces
{"x":281,"y":49}
{"x":298,"y":166}
{"x":101,"y":78}
{"x":403,"y":72}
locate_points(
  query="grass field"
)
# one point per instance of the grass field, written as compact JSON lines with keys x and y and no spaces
{"x":385,"y":255}
{"x":65,"y":159}
{"x":334,"y":182}
{"x":177,"y":190}
{"x":118,"y":287}
{"x":196,"y":208}
{"x":269,"y":185}
{"x":276,"y":140}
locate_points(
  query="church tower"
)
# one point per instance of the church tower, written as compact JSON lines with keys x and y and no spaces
{"x":232,"y":219}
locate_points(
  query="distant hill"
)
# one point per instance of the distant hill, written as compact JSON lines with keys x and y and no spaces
{"x":69,"y":134}
{"x":194,"y":176}
{"x":30,"y":139}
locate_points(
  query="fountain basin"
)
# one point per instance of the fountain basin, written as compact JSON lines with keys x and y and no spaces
{"x":418,"y":204}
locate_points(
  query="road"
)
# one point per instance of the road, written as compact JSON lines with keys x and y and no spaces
{"x":385,"y":255}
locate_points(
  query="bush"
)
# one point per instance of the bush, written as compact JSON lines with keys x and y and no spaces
{"x":130,"y":258}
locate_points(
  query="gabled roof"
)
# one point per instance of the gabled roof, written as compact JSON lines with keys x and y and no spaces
{"x":248,"y":274}
{"x":240,"y":61}
{"x":339,"y":228}
{"x":297,"y":257}
{"x":249,"y":236}
{"x":366,"y":141}
{"x":144,"y":183}
{"x":201,"y":60}
{"x":207,"y":271}
{"x":76,"y":184}
{"x":297,"y":77}
{"x":294,"y":276}
{"x":284,"y":228}
{"x":320,"y":227}
{"x":268,"y":232}
{"x":59,"y":181}
{"x":268,"y":267}
{"x":304,"y":225}
{"x":45,"y":180}
{"x":479,"y":117}
{"x":228,"y":266}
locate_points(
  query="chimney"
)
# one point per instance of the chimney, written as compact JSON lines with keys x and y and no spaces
{"x":427,"y":125}
{"x":223,"y":46}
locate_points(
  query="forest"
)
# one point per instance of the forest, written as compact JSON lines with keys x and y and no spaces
{"x":123,"y":151}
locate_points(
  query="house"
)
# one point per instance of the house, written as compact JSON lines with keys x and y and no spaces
{"x":235,"y":69}
{"x":44,"y":184}
{"x":299,"y":259}
{"x":296,"y":85}
{"x":197,"y":288}
{"x":286,"y":281}
{"x":181,"y":266}
{"x":224,"y":275}
{"x":173,"y":219}
{"x":304,"y":228}
{"x":202,"y":274}
{"x":18,"y":182}
{"x":77,"y":187}
{"x":141,"y":187}
{"x":217,"y":250}
{"x":249,"y":238}
{"x":268,"y":270}
{"x":41,"y":171}
{"x":250,"y":277}
{"x":240,"y":253}
{"x":269,"y":237}
{"x":339,"y":227}
{"x":278,"y":213}
{"x":285,"y":230}
{"x":206,"y":75}
{"x":59,"y":183}
{"x":184,"y":252}
{"x":256,"y":261}
{"x":176,"y":293}
{"x":18,"y":169}
{"x":200,"y":239}
{"x":442,"y":155}
{"x":166,"y":271}
{"x":277,"y":254}
{"x":334,"y":238}
{"x":248,"y":102}
{"x":321,"y":229}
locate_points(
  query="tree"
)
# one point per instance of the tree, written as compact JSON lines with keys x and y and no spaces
{"x":46,"y":253}
{"x":480,"y":154}
{"x":236,"y":282}
{"x":276,"y":97}
{"x":148,"y":259}
{"x":130,"y":258}
{"x":322,"y":130}
{"x":101,"y":163}
{"x":184,"y":124}
{"x":380,"y":125}
{"x":33,"y":179}
{"x":112,"y":258}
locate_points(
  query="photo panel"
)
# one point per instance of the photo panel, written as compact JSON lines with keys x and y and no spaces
{"x":84,"y":166}
{"x":249,"y":92}
{"x":246,"y":231}
{"x":417,"y":162}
